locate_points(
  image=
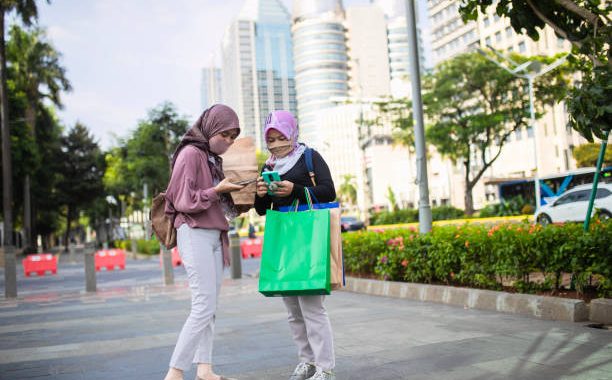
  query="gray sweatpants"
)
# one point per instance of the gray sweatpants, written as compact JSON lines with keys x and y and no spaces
{"x":202,"y":256}
{"x":312,"y":331}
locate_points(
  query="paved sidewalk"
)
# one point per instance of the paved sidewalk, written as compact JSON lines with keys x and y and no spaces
{"x":128,"y":330}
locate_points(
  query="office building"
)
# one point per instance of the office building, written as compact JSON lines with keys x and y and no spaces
{"x":257,"y":64}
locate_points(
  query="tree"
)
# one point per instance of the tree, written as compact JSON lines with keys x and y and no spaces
{"x":149,"y":150}
{"x":392,"y":199}
{"x":28,"y":12}
{"x":586,"y":155}
{"x":475,"y":106}
{"x":348,"y":190}
{"x":586,"y":25}
{"x":399,"y":113}
{"x":82,"y":169}
{"x":35,"y":68}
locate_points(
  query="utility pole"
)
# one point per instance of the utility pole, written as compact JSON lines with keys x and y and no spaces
{"x":419,"y":129}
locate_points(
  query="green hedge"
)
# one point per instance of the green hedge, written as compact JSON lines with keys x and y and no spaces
{"x":483,"y":256}
{"x":147,"y":247}
{"x":409,"y":215}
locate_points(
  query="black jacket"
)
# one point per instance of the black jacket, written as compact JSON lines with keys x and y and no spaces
{"x":324,"y":191}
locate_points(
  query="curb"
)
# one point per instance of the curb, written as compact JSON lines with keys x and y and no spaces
{"x":601,"y":311}
{"x":541,"y":307}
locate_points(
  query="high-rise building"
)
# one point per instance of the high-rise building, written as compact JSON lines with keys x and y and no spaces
{"x":450,"y":36}
{"x":210,"y":89}
{"x":368,"y":53}
{"x":258,"y":73}
{"x":321,"y":61}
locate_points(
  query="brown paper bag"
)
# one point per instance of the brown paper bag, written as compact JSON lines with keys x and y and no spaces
{"x":240,"y":163}
{"x":335,"y":242}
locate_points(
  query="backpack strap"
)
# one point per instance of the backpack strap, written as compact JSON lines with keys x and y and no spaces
{"x":309,"y":165}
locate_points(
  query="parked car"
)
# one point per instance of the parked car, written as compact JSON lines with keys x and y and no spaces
{"x":351,"y":223}
{"x":571,"y":206}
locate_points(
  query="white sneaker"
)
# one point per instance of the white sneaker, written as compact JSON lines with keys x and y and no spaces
{"x":323,"y":375}
{"x":303,"y":371}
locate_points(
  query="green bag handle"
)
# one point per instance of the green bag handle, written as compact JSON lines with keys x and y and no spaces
{"x":296,"y":202}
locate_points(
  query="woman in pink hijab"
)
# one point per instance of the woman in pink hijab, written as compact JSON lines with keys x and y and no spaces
{"x":308,"y":319}
{"x":198,"y":198}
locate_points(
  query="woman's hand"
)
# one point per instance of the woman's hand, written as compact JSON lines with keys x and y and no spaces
{"x":226,"y":186}
{"x":262,"y":188}
{"x":283,"y":189}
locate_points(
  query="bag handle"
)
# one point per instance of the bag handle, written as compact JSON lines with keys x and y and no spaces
{"x":296,"y":202}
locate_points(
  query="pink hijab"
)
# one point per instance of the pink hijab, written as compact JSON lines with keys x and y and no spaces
{"x":285,"y":124}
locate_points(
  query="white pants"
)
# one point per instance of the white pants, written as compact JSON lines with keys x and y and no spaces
{"x":202,"y":256}
{"x":312,"y":331}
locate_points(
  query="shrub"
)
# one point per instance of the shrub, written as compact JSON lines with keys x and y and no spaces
{"x":409,"y":215}
{"x":406,"y":215}
{"x":509,"y":207}
{"x":484,"y":256}
{"x":148,"y":247}
{"x":446,"y":213}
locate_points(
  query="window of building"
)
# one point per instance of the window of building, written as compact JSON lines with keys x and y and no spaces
{"x":529,"y":132}
{"x":522,"y":47}
{"x":498,"y":37}
{"x":487,"y":21}
{"x":509,"y":32}
{"x":488,"y":41}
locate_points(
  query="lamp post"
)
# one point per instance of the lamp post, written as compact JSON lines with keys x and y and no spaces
{"x":425,"y":218}
{"x":530,"y":75}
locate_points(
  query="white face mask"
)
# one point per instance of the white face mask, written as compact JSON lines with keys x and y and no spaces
{"x":280,"y":149}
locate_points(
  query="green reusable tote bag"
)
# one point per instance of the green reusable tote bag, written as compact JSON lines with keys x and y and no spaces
{"x":295,"y":257}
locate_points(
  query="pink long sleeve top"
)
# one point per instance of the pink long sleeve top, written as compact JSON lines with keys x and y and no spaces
{"x":191,"y":193}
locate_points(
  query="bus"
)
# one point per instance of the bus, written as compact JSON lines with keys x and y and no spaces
{"x":551,"y":186}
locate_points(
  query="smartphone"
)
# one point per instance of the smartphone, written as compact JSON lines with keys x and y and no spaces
{"x":270,"y":177}
{"x":245,"y":181}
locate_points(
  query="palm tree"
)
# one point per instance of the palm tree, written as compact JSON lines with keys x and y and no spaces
{"x":348,"y":190}
{"x":28,"y":11}
{"x":36,"y":67}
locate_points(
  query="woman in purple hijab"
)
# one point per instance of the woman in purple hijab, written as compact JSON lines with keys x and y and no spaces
{"x":308,"y":319}
{"x":198,"y":199}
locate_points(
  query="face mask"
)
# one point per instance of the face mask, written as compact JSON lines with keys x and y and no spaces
{"x":219,"y":145}
{"x":280,"y":148}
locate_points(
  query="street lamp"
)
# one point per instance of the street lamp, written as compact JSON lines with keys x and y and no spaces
{"x":531,"y":70}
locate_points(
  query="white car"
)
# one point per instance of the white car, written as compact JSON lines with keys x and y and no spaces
{"x":572,"y":205}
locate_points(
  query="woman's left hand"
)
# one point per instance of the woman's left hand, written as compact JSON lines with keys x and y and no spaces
{"x":284,"y":188}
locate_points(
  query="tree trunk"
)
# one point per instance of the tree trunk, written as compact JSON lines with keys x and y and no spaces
{"x":68,"y":222}
{"x":29,"y":240}
{"x":28,"y":244}
{"x":7,"y":196}
{"x":469,"y":201}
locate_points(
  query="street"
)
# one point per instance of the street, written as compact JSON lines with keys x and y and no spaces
{"x":127,"y":330}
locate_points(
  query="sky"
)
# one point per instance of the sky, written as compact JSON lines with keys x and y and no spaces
{"x":124,"y":58}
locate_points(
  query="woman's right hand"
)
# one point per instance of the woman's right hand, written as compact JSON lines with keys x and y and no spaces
{"x":262,"y":188}
{"x":226,"y":186}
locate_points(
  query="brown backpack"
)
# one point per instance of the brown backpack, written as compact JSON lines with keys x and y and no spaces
{"x":161,"y":223}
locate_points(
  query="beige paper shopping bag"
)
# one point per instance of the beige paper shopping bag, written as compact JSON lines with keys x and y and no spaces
{"x":335,"y":242}
{"x":240,"y":163}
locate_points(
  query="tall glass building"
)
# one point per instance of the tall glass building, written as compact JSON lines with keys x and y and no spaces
{"x":321,"y":61}
{"x":210,"y":88}
{"x":257,"y":65}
